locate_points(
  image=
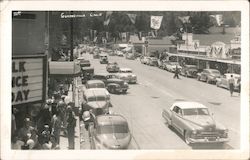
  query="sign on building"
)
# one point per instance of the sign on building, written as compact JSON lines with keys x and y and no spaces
{"x":28,"y":79}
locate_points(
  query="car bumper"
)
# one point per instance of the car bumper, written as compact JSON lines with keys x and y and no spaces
{"x":208,"y":140}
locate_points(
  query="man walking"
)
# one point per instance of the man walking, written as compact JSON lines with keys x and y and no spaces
{"x":56,"y":126}
{"x":231,"y":85}
{"x":176,"y":73}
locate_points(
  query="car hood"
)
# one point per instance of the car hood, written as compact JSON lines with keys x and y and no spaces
{"x":97,"y":104}
{"x":115,"y":140}
{"x":201,"y":121}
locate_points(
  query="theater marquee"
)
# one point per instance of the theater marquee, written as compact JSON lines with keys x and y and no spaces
{"x":29,"y":75}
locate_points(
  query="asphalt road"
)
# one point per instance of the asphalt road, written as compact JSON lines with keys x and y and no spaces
{"x":156,"y":89}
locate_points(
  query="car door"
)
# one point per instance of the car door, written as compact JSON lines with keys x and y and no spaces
{"x":177,"y":119}
{"x":203,"y":75}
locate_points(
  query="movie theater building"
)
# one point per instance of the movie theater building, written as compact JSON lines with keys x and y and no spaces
{"x":29,"y":65}
{"x":216,"y":51}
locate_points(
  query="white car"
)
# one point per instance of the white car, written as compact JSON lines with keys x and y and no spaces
{"x":171,"y":66}
{"x":127,"y":75}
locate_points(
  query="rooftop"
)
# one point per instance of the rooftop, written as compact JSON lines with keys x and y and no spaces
{"x":189,"y":105}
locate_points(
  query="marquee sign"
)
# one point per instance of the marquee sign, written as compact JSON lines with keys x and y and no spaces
{"x":28,"y":79}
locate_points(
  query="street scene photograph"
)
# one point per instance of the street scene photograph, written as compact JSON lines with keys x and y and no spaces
{"x":126,"y":80}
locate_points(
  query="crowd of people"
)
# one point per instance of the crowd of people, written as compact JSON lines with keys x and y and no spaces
{"x":56,"y":117}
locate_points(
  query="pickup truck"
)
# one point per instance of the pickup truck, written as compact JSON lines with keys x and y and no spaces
{"x":194,"y":122}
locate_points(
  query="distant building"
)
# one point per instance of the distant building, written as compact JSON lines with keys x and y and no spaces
{"x":215,"y":50}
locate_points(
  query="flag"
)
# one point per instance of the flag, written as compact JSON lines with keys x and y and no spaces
{"x":218,"y":18}
{"x":132,"y":17}
{"x":107,"y":18}
{"x":155,"y":22}
{"x":184,"y":19}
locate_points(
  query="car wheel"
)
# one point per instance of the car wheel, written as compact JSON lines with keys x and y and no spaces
{"x":186,"y":75}
{"x":186,"y":137}
{"x":124,"y":91}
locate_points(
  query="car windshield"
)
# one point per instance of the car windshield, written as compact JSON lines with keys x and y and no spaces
{"x":195,"y":111}
{"x":110,"y":129}
{"x":96,"y":85}
{"x":98,"y":98}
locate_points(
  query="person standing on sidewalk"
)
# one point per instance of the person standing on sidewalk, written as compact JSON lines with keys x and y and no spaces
{"x":56,"y":123}
{"x":231,"y":85}
{"x":71,"y":124}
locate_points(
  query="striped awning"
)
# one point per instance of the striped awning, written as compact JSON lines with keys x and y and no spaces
{"x":64,"y":68}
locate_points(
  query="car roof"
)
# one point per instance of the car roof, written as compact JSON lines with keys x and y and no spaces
{"x":111,"y":119}
{"x":96,"y":92}
{"x":94,"y":81}
{"x":188,"y":105}
{"x":102,"y":74}
{"x":212,"y":70}
{"x":125,"y":69}
{"x":190,"y":65}
{"x":115,"y":79}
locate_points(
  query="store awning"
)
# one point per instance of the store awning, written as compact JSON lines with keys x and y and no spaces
{"x":64,"y":68}
{"x":206,"y":58}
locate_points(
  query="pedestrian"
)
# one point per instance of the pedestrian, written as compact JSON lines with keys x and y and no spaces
{"x":56,"y":123}
{"x":45,"y":137}
{"x":88,"y":117}
{"x":231,"y":85}
{"x":176,"y":73}
{"x":71,"y":123}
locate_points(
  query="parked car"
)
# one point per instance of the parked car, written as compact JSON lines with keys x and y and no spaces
{"x":119,"y":53}
{"x":171,"y":66}
{"x":115,"y":85}
{"x":86,"y":74}
{"x":143,"y":59}
{"x":189,"y":71}
{"x":153,"y":61}
{"x":130,"y":56}
{"x":94,"y":84}
{"x":127,"y":75}
{"x":109,"y":132}
{"x":103,"y":58}
{"x":194,"y":122}
{"x":223,"y":81}
{"x":161,"y":63}
{"x":209,"y":75}
{"x":97,"y":100}
{"x":83,"y":62}
{"x":103,"y":76}
{"x":112,"y":67}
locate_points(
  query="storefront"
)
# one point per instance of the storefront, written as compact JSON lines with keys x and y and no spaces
{"x":29,"y":88}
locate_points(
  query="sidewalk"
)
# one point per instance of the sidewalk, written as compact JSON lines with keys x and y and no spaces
{"x":63,"y":138}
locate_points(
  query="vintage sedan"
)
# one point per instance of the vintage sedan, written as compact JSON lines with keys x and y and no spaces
{"x":112,"y":67}
{"x":223,"y":81}
{"x":104,"y":58}
{"x":189,"y":71}
{"x":194,"y":122}
{"x":171,"y":66}
{"x":83,"y":62}
{"x":153,"y":61}
{"x":115,"y":85}
{"x":94,"y":84}
{"x":109,"y":131}
{"x":103,"y":76}
{"x":209,"y":75}
{"x":130,"y":56}
{"x":127,"y":75}
{"x":97,"y":100}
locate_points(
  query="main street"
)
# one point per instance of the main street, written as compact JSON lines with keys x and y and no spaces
{"x":156,"y":89}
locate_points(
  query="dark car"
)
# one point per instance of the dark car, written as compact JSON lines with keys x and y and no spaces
{"x":103,"y":76}
{"x":104,"y":58}
{"x":115,"y":85}
{"x":209,"y":75}
{"x":189,"y":71}
{"x":87,"y":73}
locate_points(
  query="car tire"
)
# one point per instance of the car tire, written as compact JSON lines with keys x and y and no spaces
{"x":112,"y":90}
{"x":198,"y":78}
{"x":186,"y":137}
{"x":124,"y":91}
